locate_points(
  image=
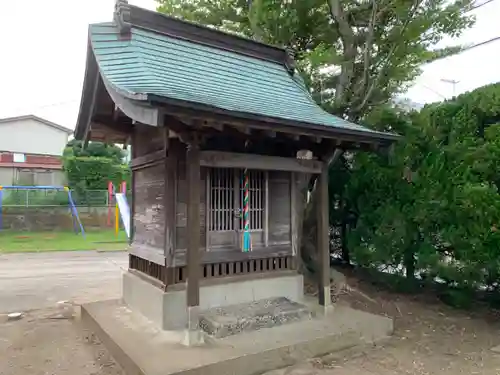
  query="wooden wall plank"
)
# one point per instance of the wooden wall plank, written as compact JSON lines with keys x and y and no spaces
{"x":279,"y":208}
{"x":148,"y":198}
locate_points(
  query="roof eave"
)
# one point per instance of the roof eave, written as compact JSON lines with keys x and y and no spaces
{"x":87,"y":101}
{"x":134,"y":105}
{"x":199,"y":109}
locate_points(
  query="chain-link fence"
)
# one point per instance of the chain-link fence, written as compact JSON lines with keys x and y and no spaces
{"x":49,"y":197}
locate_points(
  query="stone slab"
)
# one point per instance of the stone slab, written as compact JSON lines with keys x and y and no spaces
{"x":141,"y":347}
{"x":221,"y":322}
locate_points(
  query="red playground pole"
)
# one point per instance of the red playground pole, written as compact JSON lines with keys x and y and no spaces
{"x":110,"y":199}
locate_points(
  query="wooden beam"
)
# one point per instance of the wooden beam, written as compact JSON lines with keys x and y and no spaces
{"x":193,"y":227}
{"x":266,"y":123}
{"x":293,"y":213}
{"x":270,"y":133}
{"x":147,"y":160}
{"x":240,"y":128}
{"x":266,"y":208}
{"x":214,"y":125}
{"x":323,"y":238}
{"x":218,"y":159}
{"x":168,"y":203}
{"x":235,"y":254}
{"x":133,"y":187}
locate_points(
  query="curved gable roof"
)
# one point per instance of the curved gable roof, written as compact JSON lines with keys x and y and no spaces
{"x":153,"y":59}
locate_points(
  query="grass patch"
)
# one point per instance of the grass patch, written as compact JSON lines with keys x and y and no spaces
{"x":20,"y":242}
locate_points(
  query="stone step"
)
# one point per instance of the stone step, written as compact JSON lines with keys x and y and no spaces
{"x":220,"y":322}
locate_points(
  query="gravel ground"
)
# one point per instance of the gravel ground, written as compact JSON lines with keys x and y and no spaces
{"x":429,"y":337}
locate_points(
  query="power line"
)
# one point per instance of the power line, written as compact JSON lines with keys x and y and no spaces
{"x":477,"y":6}
{"x":465,"y":49}
{"x":31,"y":109}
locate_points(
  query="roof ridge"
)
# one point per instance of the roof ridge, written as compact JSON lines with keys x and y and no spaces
{"x":127,"y":16}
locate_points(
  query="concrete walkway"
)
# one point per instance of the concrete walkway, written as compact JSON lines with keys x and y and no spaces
{"x":32,"y":281}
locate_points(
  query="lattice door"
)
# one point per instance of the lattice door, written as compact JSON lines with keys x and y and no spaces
{"x":225,"y":198}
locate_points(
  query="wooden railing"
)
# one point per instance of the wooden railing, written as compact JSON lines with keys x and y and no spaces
{"x":217,"y":270}
{"x":151,"y":269}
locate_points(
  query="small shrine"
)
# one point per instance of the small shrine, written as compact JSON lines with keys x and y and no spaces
{"x":225,"y":138}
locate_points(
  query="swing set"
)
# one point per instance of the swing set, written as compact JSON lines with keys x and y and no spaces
{"x":77,"y":224}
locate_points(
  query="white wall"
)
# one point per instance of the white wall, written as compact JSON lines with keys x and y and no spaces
{"x":29,"y":136}
{"x":7,"y":175}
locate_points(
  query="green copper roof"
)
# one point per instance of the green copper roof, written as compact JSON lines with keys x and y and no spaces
{"x":156,"y":64}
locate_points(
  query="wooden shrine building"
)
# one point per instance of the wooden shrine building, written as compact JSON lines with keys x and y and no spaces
{"x":203,"y":111}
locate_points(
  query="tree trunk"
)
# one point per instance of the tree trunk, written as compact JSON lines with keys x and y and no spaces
{"x":346,"y":259}
{"x":308,"y":236}
{"x":308,"y":240}
{"x":409,"y":262}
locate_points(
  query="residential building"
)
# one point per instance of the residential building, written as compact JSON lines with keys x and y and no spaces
{"x":30,"y":151}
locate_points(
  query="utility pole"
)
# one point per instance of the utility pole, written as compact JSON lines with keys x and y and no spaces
{"x":451,"y":82}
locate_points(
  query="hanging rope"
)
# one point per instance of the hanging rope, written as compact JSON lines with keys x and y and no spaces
{"x":246,"y":239}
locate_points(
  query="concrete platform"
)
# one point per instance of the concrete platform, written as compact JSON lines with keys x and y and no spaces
{"x":221,"y":322}
{"x":141,"y":347}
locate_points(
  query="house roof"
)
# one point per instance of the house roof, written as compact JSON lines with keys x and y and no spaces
{"x":38,"y":119}
{"x":149,"y":57}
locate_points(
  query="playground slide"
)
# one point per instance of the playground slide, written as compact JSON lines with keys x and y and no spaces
{"x":124,"y":209}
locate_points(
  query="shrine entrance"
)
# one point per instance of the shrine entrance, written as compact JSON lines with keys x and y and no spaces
{"x":225,"y":206}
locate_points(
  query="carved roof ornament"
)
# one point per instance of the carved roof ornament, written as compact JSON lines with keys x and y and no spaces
{"x":121,"y":16}
{"x":290,"y":60}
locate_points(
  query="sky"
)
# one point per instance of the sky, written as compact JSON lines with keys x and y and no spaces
{"x":43,"y":50}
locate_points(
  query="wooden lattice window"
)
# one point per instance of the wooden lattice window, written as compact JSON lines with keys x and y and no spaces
{"x":226,"y":199}
{"x":256,"y":198}
{"x":222,"y":199}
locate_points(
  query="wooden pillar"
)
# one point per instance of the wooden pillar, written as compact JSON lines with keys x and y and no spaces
{"x":193,"y":238}
{"x":322,"y":212}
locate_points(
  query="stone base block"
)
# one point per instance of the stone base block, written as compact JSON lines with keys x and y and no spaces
{"x":168,"y":309}
{"x":221,"y":322}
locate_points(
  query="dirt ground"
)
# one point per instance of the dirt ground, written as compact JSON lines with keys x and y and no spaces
{"x":429,"y":338}
{"x":43,"y":343}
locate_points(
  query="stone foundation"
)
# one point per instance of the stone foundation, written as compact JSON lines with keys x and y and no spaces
{"x":221,"y":322}
{"x":168,"y":310}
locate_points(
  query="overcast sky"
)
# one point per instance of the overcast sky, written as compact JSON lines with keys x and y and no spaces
{"x":43,"y":49}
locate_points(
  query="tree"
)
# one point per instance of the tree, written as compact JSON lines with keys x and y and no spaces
{"x":92,"y":167}
{"x":94,"y":149}
{"x":434,"y":209}
{"x":354,"y":55}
